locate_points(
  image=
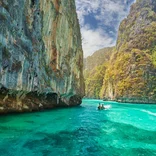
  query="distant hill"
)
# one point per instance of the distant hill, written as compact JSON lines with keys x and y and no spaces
{"x":94,"y":70}
{"x":98,"y":58}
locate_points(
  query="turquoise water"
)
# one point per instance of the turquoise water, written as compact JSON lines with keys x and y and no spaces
{"x":121,"y":130}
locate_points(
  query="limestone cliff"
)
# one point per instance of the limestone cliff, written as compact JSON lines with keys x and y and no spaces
{"x":131,"y":73}
{"x":41,"y":58}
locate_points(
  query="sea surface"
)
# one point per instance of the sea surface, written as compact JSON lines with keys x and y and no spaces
{"x":120,"y":130}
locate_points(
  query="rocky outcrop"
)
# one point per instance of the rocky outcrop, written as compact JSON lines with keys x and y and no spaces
{"x":131,"y":73}
{"x":41,"y":58}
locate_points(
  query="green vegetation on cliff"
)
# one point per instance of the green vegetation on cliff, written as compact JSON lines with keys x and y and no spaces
{"x":94,"y":70}
{"x":130,"y":73}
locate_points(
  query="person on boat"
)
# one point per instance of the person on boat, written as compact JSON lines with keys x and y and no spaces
{"x":99,"y":107}
{"x":102,"y":107}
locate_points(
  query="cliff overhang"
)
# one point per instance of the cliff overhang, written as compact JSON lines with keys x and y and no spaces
{"x":22,"y":101}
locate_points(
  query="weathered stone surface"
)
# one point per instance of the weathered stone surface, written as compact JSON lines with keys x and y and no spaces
{"x":40,"y":53}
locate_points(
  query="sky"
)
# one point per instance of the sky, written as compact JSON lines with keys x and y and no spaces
{"x":99,"y":21}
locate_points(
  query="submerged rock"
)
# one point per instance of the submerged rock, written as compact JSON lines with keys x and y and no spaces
{"x":41,"y":56}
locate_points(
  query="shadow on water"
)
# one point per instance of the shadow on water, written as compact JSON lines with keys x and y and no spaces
{"x":86,"y":141}
{"x":90,"y":141}
{"x":129,"y":132}
{"x":89,"y":133}
{"x":4,"y":120}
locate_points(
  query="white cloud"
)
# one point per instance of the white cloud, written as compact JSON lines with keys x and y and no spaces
{"x":103,"y":11}
{"x":94,"y":40}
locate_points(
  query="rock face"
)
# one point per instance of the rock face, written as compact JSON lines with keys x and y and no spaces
{"x":131,"y":73}
{"x":41,"y":58}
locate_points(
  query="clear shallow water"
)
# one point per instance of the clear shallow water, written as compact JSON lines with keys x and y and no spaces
{"x":121,"y":130}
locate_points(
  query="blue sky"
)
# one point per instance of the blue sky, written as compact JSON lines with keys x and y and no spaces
{"x":99,"y":21}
